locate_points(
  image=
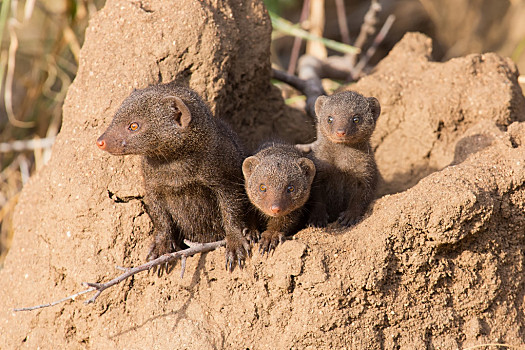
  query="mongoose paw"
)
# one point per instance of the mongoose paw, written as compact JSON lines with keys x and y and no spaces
{"x":305,"y":147}
{"x":252,"y":235}
{"x":318,"y":220}
{"x":347,"y":218}
{"x":237,"y":250}
{"x":269,"y":241}
{"x":157,"y":249}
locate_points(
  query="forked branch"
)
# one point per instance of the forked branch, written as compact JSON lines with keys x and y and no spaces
{"x":194,"y":248}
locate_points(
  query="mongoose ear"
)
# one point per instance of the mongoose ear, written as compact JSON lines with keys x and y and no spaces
{"x":319,"y":103}
{"x":308,"y":168}
{"x":375,"y":107}
{"x":180,"y":112}
{"x":248,"y":165}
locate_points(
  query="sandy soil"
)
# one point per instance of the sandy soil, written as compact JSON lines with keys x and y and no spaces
{"x":438,"y":263}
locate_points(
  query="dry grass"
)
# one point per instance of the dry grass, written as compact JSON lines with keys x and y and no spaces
{"x":38,"y":60}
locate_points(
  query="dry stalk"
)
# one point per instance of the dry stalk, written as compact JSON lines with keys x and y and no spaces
{"x":342,"y":22}
{"x":294,"y":55}
{"x":13,"y":24}
{"x":367,"y":29}
{"x":358,"y":69}
{"x":317,"y":19}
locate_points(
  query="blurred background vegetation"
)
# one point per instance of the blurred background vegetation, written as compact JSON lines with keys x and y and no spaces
{"x":41,"y":41}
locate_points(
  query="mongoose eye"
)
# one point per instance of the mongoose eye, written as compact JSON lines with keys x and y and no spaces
{"x":290,"y":189}
{"x":330,"y":120}
{"x":356,"y":119}
{"x":262,"y":187}
{"x":133,"y":126}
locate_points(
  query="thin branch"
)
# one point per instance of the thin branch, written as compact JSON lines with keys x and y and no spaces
{"x":26,"y":145}
{"x":356,"y":71}
{"x":367,"y":28}
{"x":164,"y":259}
{"x":369,"y":23}
{"x":294,"y":55}
{"x":342,"y":22}
{"x":71,"y":297}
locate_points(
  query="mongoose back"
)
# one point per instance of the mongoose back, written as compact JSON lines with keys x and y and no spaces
{"x":191,"y":167}
{"x":278,"y":180}
{"x":347,"y":172}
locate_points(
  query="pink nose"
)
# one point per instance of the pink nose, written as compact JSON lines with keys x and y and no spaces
{"x":275,"y":209}
{"x":340,"y":133}
{"x":101,"y":144}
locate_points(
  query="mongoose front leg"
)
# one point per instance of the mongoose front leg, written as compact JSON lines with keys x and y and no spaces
{"x":319,"y":214}
{"x":306,"y":147}
{"x":355,"y":210}
{"x":164,"y":241}
{"x":349,"y":218}
{"x":237,"y":246}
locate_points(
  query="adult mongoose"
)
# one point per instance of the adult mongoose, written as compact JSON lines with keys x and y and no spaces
{"x":191,"y":168}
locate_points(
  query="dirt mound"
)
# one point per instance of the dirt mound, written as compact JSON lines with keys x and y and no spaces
{"x":439,"y":265}
{"x":428,"y":106}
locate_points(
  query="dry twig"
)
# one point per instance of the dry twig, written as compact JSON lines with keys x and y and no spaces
{"x":367,"y":29}
{"x":164,"y":259}
{"x":342,"y":22}
{"x":294,"y":55}
{"x":26,"y":145}
{"x":316,"y":48}
{"x":358,"y":69}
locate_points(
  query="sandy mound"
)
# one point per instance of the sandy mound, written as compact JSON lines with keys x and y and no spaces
{"x":428,"y":106}
{"x":439,"y":265}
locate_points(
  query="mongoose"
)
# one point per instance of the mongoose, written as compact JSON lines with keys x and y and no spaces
{"x":191,"y":168}
{"x":278,"y":180}
{"x":347,"y":172}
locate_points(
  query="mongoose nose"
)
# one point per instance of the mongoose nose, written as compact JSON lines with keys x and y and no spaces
{"x":275,"y":209}
{"x":101,"y":144}
{"x":340,"y":133}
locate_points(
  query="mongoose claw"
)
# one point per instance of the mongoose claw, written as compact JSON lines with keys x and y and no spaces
{"x":347,"y":219}
{"x":269,"y":241}
{"x":252,"y":235}
{"x":237,"y":250}
{"x":318,"y":220}
{"x":160,"y":247}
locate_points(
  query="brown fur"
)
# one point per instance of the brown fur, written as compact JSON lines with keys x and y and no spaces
{"x":191,"y":168}
{"x":278,"y":181}
{"x":347,"y":174}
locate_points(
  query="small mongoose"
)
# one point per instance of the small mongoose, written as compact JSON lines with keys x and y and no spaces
{"x":347,"y":173}
{"x":278,"y":180}
{"x":191,"y":167}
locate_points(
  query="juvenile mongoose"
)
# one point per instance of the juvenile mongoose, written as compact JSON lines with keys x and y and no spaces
{"x":347,"y":174}
{"x":191,"y":167}
{"x":278,"y":180}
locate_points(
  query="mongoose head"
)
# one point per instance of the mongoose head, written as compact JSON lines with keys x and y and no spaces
{"x":276,"y":184}
{"x":347,"y":117}
{"x":155,"y":121}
